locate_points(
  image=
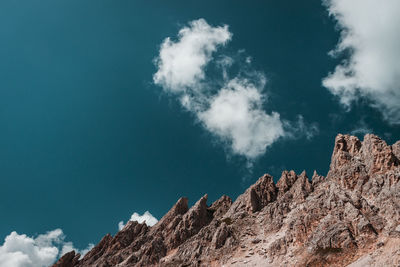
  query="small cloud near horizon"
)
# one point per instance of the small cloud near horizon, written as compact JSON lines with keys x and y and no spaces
{"x":146,"y":217}
{"x":20,"y":250}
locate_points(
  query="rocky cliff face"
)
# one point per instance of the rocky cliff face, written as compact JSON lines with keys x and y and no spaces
{"x":350,"y":217}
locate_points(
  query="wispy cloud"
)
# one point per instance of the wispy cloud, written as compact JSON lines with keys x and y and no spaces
{"x":361,"y":128}
{"x":300,"y":128}
{"x":370,"y":35}
{"x":230,"y":108}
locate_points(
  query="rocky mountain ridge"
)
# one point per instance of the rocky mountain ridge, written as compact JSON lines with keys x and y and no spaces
{"x":350,"y":217}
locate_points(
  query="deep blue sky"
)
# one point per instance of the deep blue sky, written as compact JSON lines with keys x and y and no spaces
{"x":86,"y":137}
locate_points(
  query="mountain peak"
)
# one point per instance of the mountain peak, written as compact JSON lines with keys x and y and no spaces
{"x":350,"y":217}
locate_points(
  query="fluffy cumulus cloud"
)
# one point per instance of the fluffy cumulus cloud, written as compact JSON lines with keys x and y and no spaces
{"x":181,"y":64}
{"x":370,"y":36}
{"x":230,"y":108}
{"x":20,"y":250}
{"x":146,"y":217}
{"x":236,"y":114}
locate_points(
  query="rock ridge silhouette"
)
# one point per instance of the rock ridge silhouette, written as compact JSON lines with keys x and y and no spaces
{"x":351,"y":217}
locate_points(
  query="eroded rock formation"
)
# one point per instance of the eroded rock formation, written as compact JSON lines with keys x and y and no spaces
{"x":351,"y":217}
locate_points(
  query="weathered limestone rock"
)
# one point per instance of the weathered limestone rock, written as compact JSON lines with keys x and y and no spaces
{"x":350,"y":217}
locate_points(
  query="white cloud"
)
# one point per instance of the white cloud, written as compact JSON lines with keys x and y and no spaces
{"x":236,"y":115}
{"x":23,"y":251}
{"x":147,"y":218}
{"x":232,"y":109}
{"x":181,"y":63}
{"x":121,"y":225}
{"x":68,"y":246}
{"x":370,"y":33}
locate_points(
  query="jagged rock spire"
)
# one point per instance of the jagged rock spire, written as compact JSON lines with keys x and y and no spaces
{"x":335,"y":220}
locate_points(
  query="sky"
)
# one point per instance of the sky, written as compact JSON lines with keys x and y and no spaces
{"x":112,"y":110}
